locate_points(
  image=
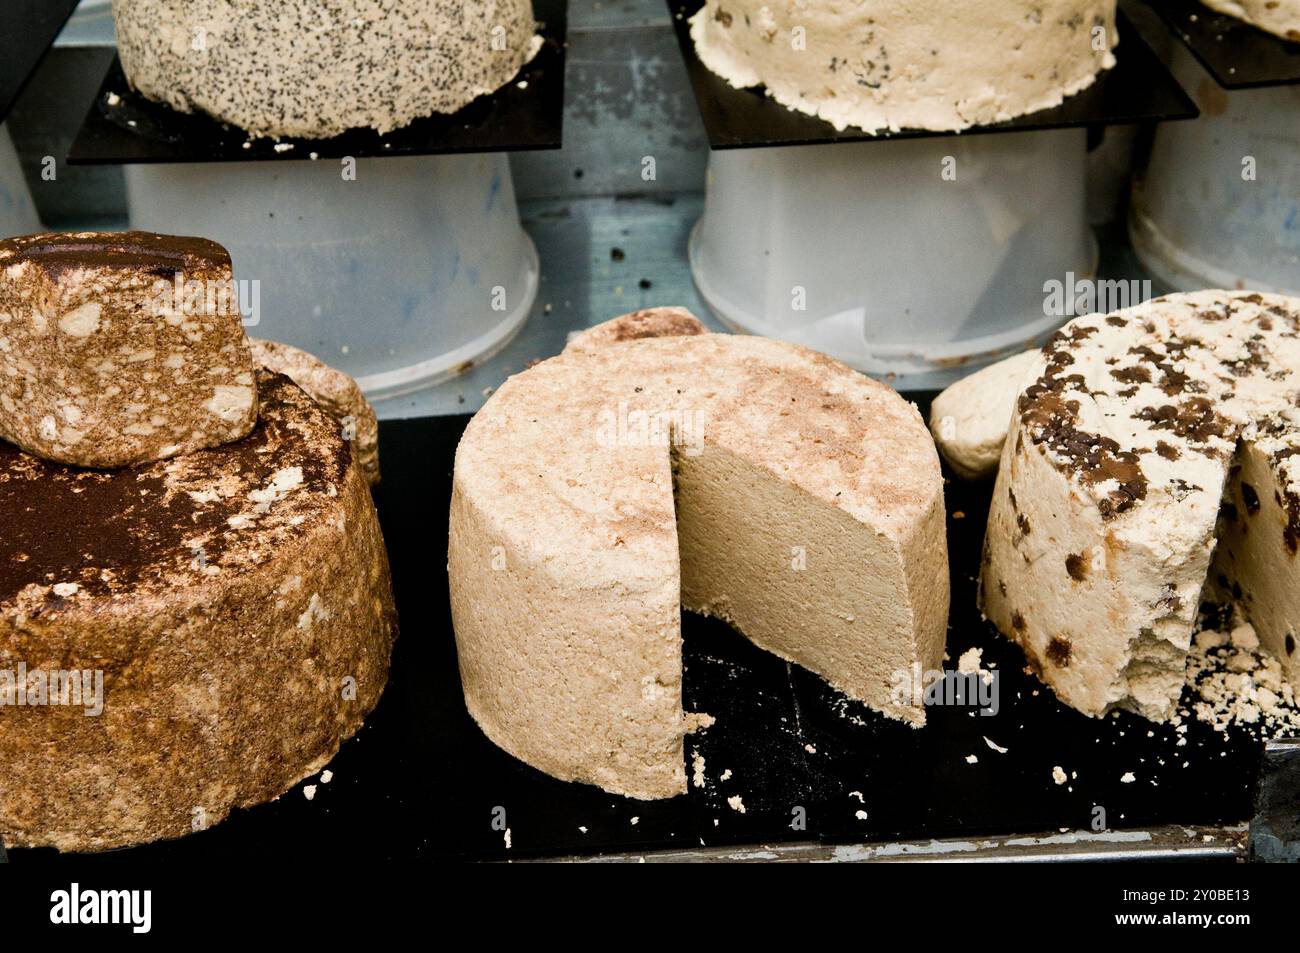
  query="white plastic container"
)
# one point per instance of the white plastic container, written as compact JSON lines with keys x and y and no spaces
{"x":1198,"y":219}
{"x":410,"y":273}
{"x":870,"y":253}
{"x":17,"y":213}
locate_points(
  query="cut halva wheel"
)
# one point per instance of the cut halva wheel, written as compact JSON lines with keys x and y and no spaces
{"x":599,"y":492}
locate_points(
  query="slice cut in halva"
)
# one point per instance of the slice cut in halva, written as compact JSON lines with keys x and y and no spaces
{"x":599,"y":492}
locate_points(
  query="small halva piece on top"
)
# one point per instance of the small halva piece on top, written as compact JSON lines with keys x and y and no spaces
{"x":121,"y":348}
{"x":1158,"y":451}
{"x":647,"y":323}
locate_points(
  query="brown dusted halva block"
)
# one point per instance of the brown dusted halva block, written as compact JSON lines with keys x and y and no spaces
{"x":780,"y":490}
{"x":237,"y":602}
{"x":120,"y":348}
{"x":334,"y":390}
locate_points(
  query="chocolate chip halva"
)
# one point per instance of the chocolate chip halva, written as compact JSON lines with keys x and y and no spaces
{"x":895,"y":64}
{"x":120,"y":348}
{"x":1159,"y":448}
{"x":598,"y":493}
{"x":320,"y":67}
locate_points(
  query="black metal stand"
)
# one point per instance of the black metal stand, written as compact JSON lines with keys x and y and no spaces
{"x":1236,"y":54}
{"x":27,"y":29}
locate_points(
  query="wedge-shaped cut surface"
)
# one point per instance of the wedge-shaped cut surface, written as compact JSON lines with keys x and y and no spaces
{"x":808,"y":512}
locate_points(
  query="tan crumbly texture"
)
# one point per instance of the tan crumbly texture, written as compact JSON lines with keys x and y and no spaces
{"x":1280,"y":17}
{"x":1159,"y":449}
{"x":1236,"y":682}
{"x":895,"y":64}
{"x":969,"y":419}
{"x":104,"y":364}
{"x":646,"y":323}
{"x":320,"y":67}
{"x":783,"y":492}
{"x":237,"y":601}
{"x":335,"y":391}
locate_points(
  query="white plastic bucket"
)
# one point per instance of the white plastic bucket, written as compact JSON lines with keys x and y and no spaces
{"x":917,"y":260}
{"x":408,"y":274}
{"x":17,"y":213}
{"x":1198,"y":219}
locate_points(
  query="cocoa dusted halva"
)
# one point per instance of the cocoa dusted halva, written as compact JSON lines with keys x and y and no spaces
{"x":225,"y":618}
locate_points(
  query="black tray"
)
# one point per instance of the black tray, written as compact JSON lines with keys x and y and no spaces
{"x":421,"y":781}
{"x":137,"y":130}
{"x":27,"y":28}
{"x":1137,"y":89}
{"x":1236,"y":54}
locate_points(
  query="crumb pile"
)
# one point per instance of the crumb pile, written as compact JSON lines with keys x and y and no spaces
{"x":1235,"y":681}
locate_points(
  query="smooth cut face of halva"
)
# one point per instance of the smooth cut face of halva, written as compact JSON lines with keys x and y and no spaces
{"x":599,"y":492}
{"x":121,"y":348}
{"x":896,"y":64}
{"x":1159,"y":440}
{"x":320,"y":67}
